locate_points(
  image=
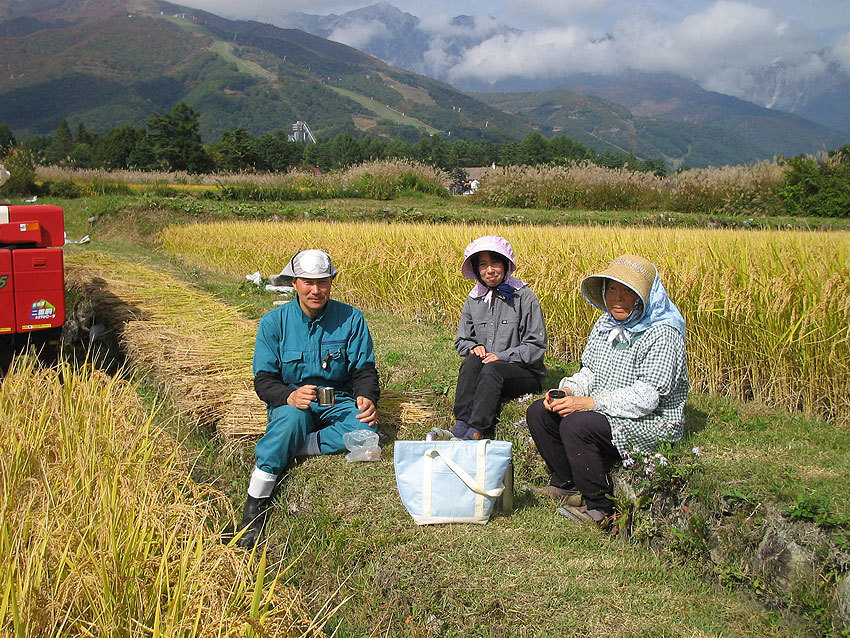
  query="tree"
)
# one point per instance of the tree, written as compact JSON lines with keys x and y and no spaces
{"x":176,"y":142}
{"x":373,"y":149}
{"x":115,"y":148}
{"x":534,"y":149}
{"x":20,"y":163}
{"x":83,"y":136}
{"x":7,"y":139}
{"x":237,"y":151}
{"x":819,"y":188}
{"x":277,"y":153}
{"x":320,"y":154}
{"x":61,"y":146}
{"x":346,"y":151}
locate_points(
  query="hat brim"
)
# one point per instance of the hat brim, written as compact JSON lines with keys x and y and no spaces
{"x":592,"y":285}
{"x":287,"y":272}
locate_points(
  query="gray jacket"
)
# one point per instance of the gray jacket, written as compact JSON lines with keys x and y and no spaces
{"x":515,"y":334}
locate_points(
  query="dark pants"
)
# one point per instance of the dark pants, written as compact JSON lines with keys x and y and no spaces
{"x":578,"y":451}
{"x":481,"y":387}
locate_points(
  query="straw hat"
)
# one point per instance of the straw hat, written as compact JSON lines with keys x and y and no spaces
{"x":493,"y":244}
{"x":309,"y":264}
{"x":630,"y":270}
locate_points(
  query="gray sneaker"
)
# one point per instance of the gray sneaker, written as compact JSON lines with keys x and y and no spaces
{"x":582,"y":514}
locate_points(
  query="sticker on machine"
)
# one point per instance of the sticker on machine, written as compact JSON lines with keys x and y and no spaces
{"x":42,"y":309}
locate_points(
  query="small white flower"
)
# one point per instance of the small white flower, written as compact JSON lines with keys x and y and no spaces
{"x":628,"y":462}
{"x":696,"y":451}
{"x":525,"y":398}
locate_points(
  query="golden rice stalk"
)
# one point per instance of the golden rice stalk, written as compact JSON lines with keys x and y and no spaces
{"x":768,"y":312}
{"x":406,"y":407}
{"x":104,"y":533}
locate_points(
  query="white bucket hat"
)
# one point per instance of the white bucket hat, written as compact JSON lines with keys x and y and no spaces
{"x":310,"y":264}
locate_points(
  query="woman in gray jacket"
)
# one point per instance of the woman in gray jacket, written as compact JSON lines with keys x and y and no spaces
{"x":501,"y":336}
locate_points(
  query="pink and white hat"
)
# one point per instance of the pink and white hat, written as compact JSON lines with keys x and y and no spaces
{"x":492,"y":243}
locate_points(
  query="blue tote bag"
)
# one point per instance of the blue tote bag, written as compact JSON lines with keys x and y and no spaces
{"x":451,"y":481}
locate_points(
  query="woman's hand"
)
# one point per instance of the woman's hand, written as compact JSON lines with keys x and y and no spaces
{"x":570,"y":404}
{"x":547,"y":400}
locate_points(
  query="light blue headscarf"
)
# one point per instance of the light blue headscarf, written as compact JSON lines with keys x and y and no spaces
{"x":660,"y":310}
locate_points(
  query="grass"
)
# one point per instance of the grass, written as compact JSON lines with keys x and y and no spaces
{"x":769,"y":455}
{"x":383,"y":111}
{"x":527,"y":574}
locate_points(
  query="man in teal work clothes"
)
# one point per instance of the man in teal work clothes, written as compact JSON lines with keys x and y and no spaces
{"x":309,"y":342}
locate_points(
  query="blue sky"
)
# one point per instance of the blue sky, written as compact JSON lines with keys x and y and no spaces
{"x":719,"y":43}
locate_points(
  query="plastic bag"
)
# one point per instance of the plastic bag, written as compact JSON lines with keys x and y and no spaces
{"x":362,"y":446}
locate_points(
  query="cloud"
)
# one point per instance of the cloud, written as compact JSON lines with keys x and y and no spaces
{"x":359,"y":33}
{"x":564,"y":12}
{"x":538,"y":54}
{"x":716,"y":47}
{"x":840,"y":52}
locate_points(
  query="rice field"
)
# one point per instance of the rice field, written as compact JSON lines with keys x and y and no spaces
{"x":768,"y":312}
{"x":104,"y":533}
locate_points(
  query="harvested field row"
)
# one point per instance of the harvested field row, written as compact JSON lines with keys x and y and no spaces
{"x":194,"y":347}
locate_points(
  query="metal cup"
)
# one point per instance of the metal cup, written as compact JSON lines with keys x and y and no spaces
{"x":325,"y":396}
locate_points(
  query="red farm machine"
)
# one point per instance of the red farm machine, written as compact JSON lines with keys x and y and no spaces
{"x":32,"y":286}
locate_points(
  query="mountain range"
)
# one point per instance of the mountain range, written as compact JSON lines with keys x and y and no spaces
{"x":405,"y":41}
{"x":107,"y":63}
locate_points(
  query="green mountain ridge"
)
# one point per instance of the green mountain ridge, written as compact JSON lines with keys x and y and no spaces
{"x":108,"y":63}
{"x":596,"y":122}
{"x":119,"y":69}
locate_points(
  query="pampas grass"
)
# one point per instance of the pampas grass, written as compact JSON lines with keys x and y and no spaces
{"x":724,"y":190}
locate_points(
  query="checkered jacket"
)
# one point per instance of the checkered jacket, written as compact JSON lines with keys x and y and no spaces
{"x":641,"y":386}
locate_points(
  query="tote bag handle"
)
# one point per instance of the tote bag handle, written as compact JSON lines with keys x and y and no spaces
{"x":463,"y":475}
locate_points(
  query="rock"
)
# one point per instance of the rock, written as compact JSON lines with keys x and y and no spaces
{"x":781,"y":559}
{"x":841,"y":617}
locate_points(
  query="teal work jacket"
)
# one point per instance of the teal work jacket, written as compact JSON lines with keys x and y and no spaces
{"x":335,"y":349}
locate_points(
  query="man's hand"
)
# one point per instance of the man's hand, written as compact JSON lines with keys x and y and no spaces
{"x":489,"y":358}
{"x":302,"y":397}
{"x":368,"y":412}
{"x":569,"y":404}
{"x":481,"y":351}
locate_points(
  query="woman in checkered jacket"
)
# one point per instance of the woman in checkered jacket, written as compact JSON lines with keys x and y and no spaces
{"x":628,"y":396}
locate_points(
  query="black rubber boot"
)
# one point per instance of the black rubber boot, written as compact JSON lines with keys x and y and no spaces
{"x":253,"y":520}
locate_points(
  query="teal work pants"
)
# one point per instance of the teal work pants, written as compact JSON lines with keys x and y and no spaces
{"x":288,"y":427}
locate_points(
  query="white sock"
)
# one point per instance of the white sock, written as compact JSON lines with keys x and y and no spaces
{"x":261,"y":484}
{"x":311,"y":446}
